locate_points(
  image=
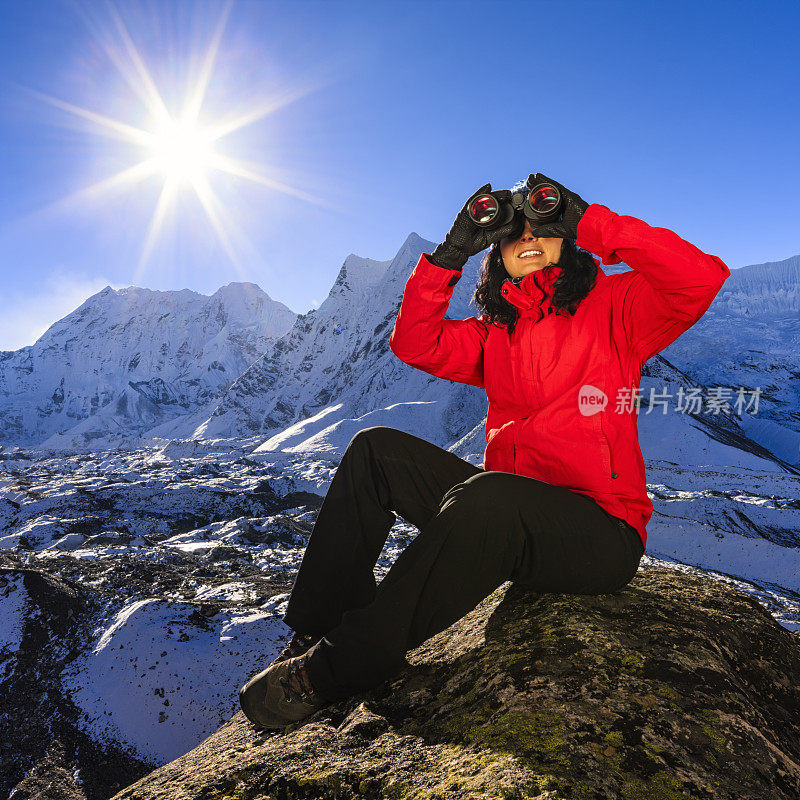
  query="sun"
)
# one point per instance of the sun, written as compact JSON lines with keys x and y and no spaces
{"x":183,"y":151}
{"x":176,"y":146}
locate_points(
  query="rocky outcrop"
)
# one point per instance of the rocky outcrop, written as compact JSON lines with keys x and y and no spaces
{"x":44,"y":752}
{"x":678,"y":686}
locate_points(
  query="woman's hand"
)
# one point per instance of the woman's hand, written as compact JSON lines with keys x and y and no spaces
{"x":467,"y":239}
{"x":574,"y":207}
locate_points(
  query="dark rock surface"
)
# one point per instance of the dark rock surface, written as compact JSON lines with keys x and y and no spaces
{"x":676,"y":687}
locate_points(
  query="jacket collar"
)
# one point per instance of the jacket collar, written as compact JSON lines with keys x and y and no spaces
{"x":534,"y":290}
{"x":532,"y":295}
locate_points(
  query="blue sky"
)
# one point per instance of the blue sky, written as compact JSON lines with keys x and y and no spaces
{"x":682,"y":114}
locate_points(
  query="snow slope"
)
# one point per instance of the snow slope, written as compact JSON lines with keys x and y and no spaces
{"x":161,"y":677}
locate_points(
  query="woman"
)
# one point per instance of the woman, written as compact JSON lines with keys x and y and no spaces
{"x":561,"y":503}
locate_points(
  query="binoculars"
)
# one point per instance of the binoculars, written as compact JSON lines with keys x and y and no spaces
{"x":542,"y":204}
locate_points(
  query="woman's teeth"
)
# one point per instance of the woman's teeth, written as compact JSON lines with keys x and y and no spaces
{"x":529,"y":253}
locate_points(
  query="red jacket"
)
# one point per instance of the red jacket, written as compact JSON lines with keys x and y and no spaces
{"x":533,"y":377}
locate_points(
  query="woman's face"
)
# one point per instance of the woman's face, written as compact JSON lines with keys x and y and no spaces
{"x":528,"y":253}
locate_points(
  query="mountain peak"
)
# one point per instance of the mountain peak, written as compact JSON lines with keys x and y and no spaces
{"x":239,"y":289}
{"x":359,"y":271}
{"x":415,"y":241}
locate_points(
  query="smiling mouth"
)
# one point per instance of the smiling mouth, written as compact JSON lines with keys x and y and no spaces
{"x":530,"y":254}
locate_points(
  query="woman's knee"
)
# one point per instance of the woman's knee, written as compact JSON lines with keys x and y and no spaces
{"x":491,"y":490}
{"x":377,"y":436}
{"x":369,"y":441}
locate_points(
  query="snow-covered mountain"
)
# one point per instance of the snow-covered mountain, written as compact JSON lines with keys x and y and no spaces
{"x":769,"y":290}
{"x":321,"y":379}
{"x":750,"y":336}
{"x":239,"y":365}
{"x":128,"y":359}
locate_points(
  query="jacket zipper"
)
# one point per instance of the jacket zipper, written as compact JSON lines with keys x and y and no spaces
{"x":604,"y":441}
{"x":514,"y":450}
{"x":610,"y":458}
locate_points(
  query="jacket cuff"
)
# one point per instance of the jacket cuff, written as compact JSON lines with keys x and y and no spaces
{"x":591,"y":228}
{"x":433,"y":272}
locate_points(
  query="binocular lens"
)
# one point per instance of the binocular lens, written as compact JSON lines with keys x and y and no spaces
{"x":545,"y":199}
{"x":483,"y":209}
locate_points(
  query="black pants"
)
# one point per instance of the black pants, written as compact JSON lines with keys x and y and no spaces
{"x":477,"y":529}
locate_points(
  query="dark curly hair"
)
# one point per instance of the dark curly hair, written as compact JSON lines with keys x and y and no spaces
{"x":578,"y":276}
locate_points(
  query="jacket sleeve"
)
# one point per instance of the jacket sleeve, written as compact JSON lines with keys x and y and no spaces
{"x":423,"y":338}
{"x":671,"y":286}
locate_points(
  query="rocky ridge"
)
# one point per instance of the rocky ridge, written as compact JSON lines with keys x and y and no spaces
{"x":676,"y":687}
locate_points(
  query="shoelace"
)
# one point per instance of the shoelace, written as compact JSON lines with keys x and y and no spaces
{"x":298,"y":643}
{"x":297,"y":685}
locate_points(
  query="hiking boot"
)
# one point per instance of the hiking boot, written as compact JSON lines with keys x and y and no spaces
{"x":298,"y":644}
{"x":251,"y":699}
{"x":281,"y":694}
{"x":251,"y":695}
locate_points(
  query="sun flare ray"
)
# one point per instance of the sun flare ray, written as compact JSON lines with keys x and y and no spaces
{"x":168,"y":191}
{"x":196,"y":97}
{"x":125,"y":178}
{"x":122,"y":130}
{"x":146,"y":87}
{"x":266,"y":108}
{"x":240,"y":170}
{"x":209,"y":202}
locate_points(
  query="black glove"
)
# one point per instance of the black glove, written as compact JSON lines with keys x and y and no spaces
{"x":574,"y":206}
{"x":467,"y":239}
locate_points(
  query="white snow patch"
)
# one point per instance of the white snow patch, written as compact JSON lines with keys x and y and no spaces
{"x":705,"y":546}
{"x":8,"y":492}
{"x":677,"y":438}
{"x":234,"y":591}
{"x":778,"y":439}
{"x":333,"y":440}
{"x":72,"y":541}
{"x":298,"y":432}
{"x":703,"y":516}
{"x":162,"y":677}
{"x":211,"y":535}
{"x":38,"y":531}
{"x":10,"y":541}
